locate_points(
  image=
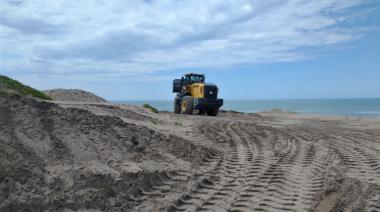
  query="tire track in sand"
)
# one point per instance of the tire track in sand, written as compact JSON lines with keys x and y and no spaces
{"x":277,"y":186}
{"x":217,"y":189}
{"x":272,"y":169}
{"x":360,"y":163}
{"x":373,"y":204}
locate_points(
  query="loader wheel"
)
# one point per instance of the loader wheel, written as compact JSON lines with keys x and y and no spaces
{"x":177,"y":105}
{"x":187,"y":105}
{"x":213,"y":112}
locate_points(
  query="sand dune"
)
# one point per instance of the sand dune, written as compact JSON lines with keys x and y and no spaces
{"x":103,"y":157}
{"x":73,"y":95}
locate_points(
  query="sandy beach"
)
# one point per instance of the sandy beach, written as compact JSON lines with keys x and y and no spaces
{"x":190,"y":106}
{"x":82,"y":156}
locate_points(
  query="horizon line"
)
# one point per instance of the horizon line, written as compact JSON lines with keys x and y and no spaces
{"x":325,"y":98}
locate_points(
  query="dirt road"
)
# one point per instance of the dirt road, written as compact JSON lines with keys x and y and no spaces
{"x":245,"y":162}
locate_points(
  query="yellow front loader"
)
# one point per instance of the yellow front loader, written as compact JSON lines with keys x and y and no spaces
{"x":194,"y":94}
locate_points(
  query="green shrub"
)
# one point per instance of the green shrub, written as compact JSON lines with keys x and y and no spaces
{"x":153,"y":109}
{"x":21,"y":89}
{"x":280,"y":111}
{"x":3,"y":93}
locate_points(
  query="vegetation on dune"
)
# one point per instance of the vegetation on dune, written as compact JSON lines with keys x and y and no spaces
{"x":153,"y":109}
{"x":10,"y":86}
{"x":2,"y":93}
{"x":231,"y":111}
{"x":276,"y":110}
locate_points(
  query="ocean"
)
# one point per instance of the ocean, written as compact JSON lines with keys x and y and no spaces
{"x":342,"y":107}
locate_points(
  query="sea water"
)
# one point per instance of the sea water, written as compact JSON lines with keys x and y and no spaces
{"x":343,"y":107}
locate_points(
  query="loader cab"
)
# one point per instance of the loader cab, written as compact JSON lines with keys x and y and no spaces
{"x":192,"y":78}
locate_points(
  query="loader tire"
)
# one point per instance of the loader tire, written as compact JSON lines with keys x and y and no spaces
{"x":187,"y":105}
{"x":177,"y":105}
{"x":213,"y":112}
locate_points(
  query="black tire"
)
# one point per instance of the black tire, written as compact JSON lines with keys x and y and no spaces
{"x":177,"y":105}
{"x":213,"y":112}
{"x":187,"y":105}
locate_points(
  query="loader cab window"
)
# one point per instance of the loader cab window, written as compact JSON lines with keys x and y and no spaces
{"x":196,"y":79}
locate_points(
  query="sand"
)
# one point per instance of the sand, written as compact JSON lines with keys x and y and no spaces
{"x":81,"y":156}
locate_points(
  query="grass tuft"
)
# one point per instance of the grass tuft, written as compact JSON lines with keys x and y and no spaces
{"x":16,"y":87}
{"x":153,"y":109}
{"x":2,"y":93}
{"x":279,"y":111}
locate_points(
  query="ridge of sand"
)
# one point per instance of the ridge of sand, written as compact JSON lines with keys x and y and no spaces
{"x":76,"y":95}
{"x":74,"y":156}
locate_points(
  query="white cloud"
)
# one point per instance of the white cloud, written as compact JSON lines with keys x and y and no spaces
{"x":133,"y":38}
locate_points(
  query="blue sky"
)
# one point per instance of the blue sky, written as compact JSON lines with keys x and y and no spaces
{"x":130,"y":49}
